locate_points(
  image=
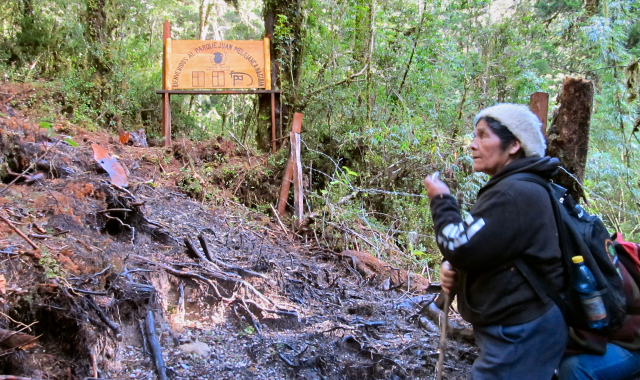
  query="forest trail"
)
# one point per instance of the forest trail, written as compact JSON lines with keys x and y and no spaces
{"x":248,"y":301}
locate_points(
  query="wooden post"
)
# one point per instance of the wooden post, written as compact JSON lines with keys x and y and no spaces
{"x":568,"y":135}
{"x":267,"y":63}
{"x":539,"y":104}
{"x":297,"y":179}
{"x":296,"y":127}
{"x":166,"y":83}
{"x":273,"y":122}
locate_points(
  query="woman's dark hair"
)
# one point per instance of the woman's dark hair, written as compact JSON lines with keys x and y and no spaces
{"x":503,"y":133}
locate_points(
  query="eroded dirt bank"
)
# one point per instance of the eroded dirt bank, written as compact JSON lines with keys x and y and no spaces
{"x":232,"y":295}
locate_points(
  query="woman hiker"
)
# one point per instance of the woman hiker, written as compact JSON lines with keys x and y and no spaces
{"x":519,"y":336}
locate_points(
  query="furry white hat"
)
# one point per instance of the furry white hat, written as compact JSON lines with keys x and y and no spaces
{"x":523,"y":123}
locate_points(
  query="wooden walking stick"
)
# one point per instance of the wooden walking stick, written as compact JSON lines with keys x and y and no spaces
{"x":444,"y":322}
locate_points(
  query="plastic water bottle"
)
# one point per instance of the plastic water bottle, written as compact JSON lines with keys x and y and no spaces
{"x":586,"y":285}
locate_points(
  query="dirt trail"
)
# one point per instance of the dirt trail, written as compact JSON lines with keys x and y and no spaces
{"x":248,"y":301}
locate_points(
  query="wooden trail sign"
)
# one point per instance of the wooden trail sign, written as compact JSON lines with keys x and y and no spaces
{"x":214,"y":68}
{"x":217,"y":64}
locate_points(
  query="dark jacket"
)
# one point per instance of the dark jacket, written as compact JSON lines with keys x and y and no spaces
{"x":510,"y":219}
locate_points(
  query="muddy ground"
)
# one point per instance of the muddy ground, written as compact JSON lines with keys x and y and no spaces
{"x":249,"y":300}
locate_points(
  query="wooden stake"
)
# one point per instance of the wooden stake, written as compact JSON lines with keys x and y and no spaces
{"x":297,"y":179}
{"x":288,"y":172}
{"x":296,"y":126}
{"x":284,"y":186}
{"x":539,"y":104}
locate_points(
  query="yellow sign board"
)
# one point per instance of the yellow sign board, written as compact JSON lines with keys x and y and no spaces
{"x":216,"y":64}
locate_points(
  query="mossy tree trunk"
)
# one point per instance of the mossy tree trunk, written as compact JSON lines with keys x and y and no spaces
{"x":568,"y":135}
{"x":283,"y":22}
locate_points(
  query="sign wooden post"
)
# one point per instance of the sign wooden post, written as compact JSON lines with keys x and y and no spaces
{"x":214,"y":68}
{"x":539,"y":104}
{"x":296,"y":128}
{"x":166,"y":97}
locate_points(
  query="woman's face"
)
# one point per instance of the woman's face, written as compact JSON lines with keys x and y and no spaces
{"x":487,"y":155}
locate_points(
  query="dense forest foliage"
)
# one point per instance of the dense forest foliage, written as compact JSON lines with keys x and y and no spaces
{"x":388,"y":90}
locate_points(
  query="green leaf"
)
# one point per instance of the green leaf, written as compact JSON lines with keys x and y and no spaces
{"x":70,"y":141}
{"x":44,"y":124}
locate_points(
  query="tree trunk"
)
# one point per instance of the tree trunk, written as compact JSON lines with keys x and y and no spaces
{"x":286,"y":58}
{"x":568,"y":135}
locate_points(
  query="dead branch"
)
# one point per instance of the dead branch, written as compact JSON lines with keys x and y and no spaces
{"x":38,"y":236}
{"x":457,"y":331}
{"x":241,"y":271}
{"x":31,"y":243}
{"x":254,"y":321}
{"x":82,"y":291}
{"x":279,"y":221}
{"x":115,"y":209}
{"x":123,"y":224}
{"x":94,"y":362}
{"x":15,"y":339}
{"x":105,"y":319}
{"x":185,"y":274}
{"x":217,"y":276}
{"x":145,"y":344}
{"x":290,"y":313}
{"x":245,"y":148}
{"x":345,"y":80}
{"x":193,"y":251}
{"x":154,"y":345}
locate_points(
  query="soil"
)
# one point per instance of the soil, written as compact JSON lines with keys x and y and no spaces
{"x":230,"y":292}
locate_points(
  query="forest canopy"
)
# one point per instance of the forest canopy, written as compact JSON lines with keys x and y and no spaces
{"x":388,"y":89}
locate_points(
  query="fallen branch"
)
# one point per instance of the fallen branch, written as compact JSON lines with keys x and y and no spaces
{"x":145,"y":344}
{"x":154,"y":346}
{"x":284,"y":229}
{"x":115,"y":209}
{"x":16,"y":339}
{"x":31,"y":243}
{"x":193,"y":251}
{"x":94,"y":362}
{"x":457,"y":331}
{"x":38,"y":236}
{"x":105,"y":319}
{"x":254,"y":322}
{"x":245,"y":148}
{"x":290,"y":313}
{"x":241,"y":271}
{"x":184,"y":274}
{"x":217,"y":276}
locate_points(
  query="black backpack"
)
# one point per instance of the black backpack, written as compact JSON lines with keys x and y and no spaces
{"x":580,"y":234}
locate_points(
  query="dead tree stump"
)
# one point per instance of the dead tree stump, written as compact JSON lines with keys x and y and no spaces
{"x":568,"y":135}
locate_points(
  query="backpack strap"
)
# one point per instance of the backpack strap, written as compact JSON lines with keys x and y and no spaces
{"x":538,"y":284}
